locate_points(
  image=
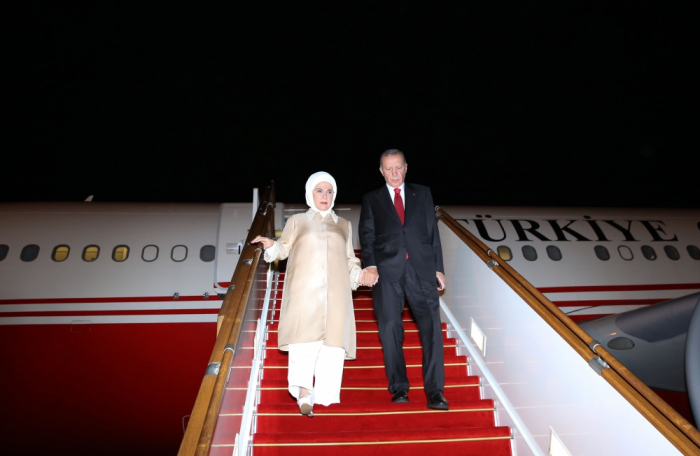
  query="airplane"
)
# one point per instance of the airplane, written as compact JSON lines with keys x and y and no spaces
{"x":108,"y":310}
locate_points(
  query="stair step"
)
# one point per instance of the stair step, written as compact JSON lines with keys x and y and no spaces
{"x":468,"y":447}
{"x":378,"y":381}
{"x":371,"y":322}
{"x":373,"y":408}
{"x":362,"y":313}
{"x":368,"y":360}
{"x":278,"y":392}
{"x":462,"y":441}
{"x":408,"y":325}
{"x":371,"y":338}
{"x":407,"y":345}
{"x":364,"y":417}
{"x":361,"y":316}
{"x":373,"y":352}
{"x":414,"y":371}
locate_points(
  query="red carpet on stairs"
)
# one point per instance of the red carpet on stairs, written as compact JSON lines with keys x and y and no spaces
{"x":366,"y":422}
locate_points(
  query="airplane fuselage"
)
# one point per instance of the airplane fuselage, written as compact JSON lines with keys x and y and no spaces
{"x":108,"y":310}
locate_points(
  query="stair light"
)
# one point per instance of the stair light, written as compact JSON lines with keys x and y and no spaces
{"x":556,"y":447}
{"x":478,"y":337}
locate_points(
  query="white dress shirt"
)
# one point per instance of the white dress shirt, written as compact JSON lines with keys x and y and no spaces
{"x":393,"y":193}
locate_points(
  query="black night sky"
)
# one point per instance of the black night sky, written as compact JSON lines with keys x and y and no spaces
{"x":562,"y":104}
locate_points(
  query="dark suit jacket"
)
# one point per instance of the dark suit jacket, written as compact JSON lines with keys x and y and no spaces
{"x":385,"y":241}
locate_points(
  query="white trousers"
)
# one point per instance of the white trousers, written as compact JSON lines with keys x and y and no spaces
{"x":313,"y":359}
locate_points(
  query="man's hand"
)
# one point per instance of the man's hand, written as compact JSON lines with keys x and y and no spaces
{"x":441,"y":279}
{"x":369,"y":276}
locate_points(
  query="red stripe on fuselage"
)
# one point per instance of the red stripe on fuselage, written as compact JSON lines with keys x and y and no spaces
{"x":104,"y":300}
{"x":608,"y":302}
{"x":87,"y":313}
{"x":660,"y":286}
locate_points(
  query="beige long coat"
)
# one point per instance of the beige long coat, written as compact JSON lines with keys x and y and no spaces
{"x":321,"y":272}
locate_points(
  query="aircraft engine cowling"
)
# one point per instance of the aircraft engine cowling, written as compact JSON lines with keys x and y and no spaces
{"x":657,"y":343}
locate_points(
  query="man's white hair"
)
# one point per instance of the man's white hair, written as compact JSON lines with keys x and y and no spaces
{"x":391,"y":152}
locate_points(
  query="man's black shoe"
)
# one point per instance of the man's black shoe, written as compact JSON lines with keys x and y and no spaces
{"x":400,"y":396}
{"x":437,"y":401}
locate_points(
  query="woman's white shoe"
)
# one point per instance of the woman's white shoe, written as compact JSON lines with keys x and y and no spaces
{"x":305,"y":406}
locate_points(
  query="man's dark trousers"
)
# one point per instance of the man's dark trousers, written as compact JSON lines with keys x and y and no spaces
{"x":424,"y":302}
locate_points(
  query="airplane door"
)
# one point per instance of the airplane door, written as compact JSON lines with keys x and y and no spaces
{"x":234,"y":222}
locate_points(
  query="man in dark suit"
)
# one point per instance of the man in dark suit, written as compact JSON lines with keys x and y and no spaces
{"x":402,"y":252}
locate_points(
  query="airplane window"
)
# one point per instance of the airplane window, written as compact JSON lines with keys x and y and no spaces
{"x":29,"y":252}
{"x":505,"y":253}
{"x":648,"y":252}
{"x":553,"y":253}
{"x":179,"y":253}
{"x":625,"y":253}
{"x":529,"y":253}
{"x":149,"y":253}
{"x":207,"y":253}
{"x":602,"y":253}
{"x":91,"y":252}
{"x":60,"y":252}
{"x":693,"y":251}
{"x":3,"y":251}
{"x":120,"y":253}
{"x":671,"y":252}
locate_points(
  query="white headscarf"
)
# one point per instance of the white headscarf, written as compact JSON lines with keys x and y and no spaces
{"x":314,"y":180}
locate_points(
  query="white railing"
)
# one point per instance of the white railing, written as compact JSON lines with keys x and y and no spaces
{"x":243,"y":438}
{"x":540,"y":384}
{"x":477,"y":366}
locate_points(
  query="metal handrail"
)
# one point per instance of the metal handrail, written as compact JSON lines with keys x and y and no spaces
{"x":672,"y":425}
{"x":200,"y":429}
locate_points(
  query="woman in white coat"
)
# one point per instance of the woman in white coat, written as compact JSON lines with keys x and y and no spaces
{"x":317,"y":321}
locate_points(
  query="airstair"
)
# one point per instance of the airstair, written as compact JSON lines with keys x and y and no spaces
{"x":521,"y":380}
{"x":366,"y":422}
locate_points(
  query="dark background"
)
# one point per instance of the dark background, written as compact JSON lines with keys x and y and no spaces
{"x":564,"y":104}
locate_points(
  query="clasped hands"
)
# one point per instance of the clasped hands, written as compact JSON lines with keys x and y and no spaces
{"x":368,"y":276}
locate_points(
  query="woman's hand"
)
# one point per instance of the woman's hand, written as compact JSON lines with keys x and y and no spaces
{"x":267,"y":243}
